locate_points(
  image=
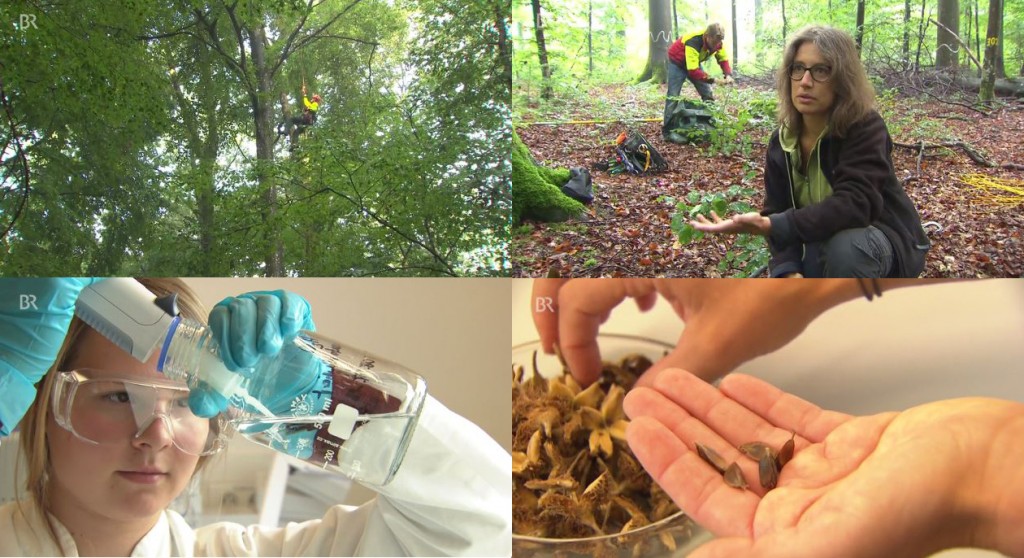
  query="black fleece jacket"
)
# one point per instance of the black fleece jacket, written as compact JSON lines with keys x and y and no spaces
{"x":865,"y":191}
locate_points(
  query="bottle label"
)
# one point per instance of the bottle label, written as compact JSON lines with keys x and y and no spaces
{"x":351,"y":398}
{"x":343,"y":422}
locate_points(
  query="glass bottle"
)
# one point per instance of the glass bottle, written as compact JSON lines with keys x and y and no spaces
{"x":334,"y":406}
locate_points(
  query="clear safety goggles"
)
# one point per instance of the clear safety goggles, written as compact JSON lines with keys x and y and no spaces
{"x":107,"y":411}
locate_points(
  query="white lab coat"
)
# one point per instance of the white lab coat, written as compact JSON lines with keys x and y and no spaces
{"x":452,"y":496}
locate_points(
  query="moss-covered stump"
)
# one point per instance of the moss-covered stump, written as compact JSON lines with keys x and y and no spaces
{"x":537,"y":190}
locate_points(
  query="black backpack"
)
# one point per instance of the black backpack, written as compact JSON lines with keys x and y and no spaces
{"x":691,"y":122}
{"x":635,"y":155}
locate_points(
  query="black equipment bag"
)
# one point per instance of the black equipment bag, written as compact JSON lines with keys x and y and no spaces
{"x":636,"y":155}
{"x":689,"y":122}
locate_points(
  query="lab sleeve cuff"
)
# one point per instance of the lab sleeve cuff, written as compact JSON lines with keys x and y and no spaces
{"x":17,"y":396}
{"x":782,"y":233}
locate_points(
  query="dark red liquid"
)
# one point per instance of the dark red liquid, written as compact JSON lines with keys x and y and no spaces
{"x":357,"y":394}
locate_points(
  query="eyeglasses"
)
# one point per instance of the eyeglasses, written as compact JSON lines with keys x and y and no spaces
{"x":819,"y":72}
{"x":107,"y":411}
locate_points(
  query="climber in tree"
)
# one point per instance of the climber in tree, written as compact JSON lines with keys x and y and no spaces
{"x":304,"y":120}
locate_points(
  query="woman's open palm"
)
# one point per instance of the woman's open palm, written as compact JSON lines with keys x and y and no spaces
{"x":871,"y":486}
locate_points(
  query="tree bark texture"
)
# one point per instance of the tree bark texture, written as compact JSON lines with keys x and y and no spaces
{"x":660,"y":37}
{"x":860,"y":25}
{"x":542,"y":51}
{"x":986,"y":92}
{"x":947,"y":50}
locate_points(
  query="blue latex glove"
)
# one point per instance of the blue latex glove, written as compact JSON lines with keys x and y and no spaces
{"x":249,"y":328}
{"x":34,"y":318}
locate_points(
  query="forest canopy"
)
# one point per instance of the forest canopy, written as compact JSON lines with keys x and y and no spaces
{"x":142,"y":138}
{"x":606,"y":40}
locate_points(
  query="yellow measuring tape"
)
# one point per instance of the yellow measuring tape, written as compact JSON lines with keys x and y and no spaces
{"x":999,"y":191}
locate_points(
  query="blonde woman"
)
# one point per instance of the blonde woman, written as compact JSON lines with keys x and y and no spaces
{"x":99,"y":486}
{"x":833,"y":205}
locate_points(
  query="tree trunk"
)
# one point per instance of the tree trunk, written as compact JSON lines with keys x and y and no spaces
{"x":906,"y":34}
{"x":590,"y":37}
{"x":1000,"y":64}
{"x":262,"y":110}
{"x":248,"y":60}
{"x":1002,"y":87}
{"x":977,"y":32}
{"x":946,"y":49}
{"x":988,"y":81}
{"x":860,"y":25}
{"x":660,"y":37}
{"x":675,"y":19}
{"x":785,"y":23}
{"x":735,"y":38}
{"x":202,"y":142}
{"x":542,"y":52}
{"x":965,"y":33}
{"x":537,"y":193}
{"x":504,"y":44}
{"x":920,"y":38}
{"x":758,"y":30}
{"x":205,"y":189}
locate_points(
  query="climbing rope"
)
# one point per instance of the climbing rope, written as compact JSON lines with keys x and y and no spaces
{"x":998,"y":191}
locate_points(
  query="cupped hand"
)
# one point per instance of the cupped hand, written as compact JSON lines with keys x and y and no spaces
{"x":895,"y":484}
{"x":743,"y":223}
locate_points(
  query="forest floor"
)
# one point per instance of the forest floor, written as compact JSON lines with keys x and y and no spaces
{"x":627,"y":232}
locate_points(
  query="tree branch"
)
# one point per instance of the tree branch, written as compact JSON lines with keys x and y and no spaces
{"x":214,"y":43}
{"x":20,"y":155}
{"x":315,"y":35}
{"x":238,"y":33}
{"x":358,"y":202}
{"x":286,"y":50}
{"x":957,"y":37}
{"x":974,"y":155}
{"x":947,"y":102}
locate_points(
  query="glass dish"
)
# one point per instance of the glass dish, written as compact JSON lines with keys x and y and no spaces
{"x":639,"y":543}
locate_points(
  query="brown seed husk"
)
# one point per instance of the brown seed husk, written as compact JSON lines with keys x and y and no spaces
{"x":786,"y":453}
{"x":712,"y":458}
{"x":756,"y":450}
{"x":573,"y":475}
{"x":768,"y":471}
{"x":734,"y":476}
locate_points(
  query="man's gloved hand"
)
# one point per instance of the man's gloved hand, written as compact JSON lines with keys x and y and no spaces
{"x":247,"y":328}
{"x":728,"y":80}
{"x":710,"y":80}
{"x":34,"y":318}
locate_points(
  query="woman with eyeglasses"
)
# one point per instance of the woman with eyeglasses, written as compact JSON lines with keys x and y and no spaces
{"x":833,"y":204}
{"x":109,"y":442}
